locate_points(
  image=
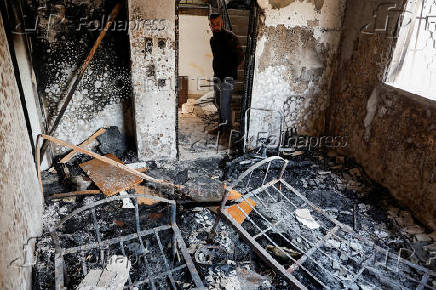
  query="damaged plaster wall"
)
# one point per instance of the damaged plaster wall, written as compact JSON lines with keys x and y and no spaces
{"x":21,"y":199}
{"x":296,"y":47}
{"x":65,"y":35}
{"x":391,"y":133}
{"x":153,"y":76}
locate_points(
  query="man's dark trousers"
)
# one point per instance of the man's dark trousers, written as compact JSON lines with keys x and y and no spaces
{"x":223,"y":100}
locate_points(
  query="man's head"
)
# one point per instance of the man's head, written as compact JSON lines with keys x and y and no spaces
{"x":216,"y":22}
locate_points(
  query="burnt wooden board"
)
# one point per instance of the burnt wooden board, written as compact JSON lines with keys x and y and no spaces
{"x":109,"y":179}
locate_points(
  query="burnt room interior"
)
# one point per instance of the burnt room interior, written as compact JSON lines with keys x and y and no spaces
{"x":116,"y":171}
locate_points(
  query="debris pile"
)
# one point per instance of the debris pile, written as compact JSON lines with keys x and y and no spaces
{"x":308,"y":222}
{"x":304,"y":228}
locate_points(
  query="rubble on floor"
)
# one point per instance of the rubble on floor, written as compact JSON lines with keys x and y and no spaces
{"x":196,"y":118}
{"x":112,"y":277}
{"x":325,"y":187}
{"x":223,"y":259}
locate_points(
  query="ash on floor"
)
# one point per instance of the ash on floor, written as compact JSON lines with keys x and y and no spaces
{"x":336,"y":185}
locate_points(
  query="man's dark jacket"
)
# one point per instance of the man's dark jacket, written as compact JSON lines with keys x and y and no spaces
{"x":227,"y":54}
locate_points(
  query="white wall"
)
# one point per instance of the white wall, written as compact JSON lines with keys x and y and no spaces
{"x":195,"y":55}
{"x":154,"y":102}
{"x":21,"y":202}
{"x":28,"y":83}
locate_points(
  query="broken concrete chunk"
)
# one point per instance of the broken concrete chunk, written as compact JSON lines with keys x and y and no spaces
{"x":336,"y":265}
{"x":113,"y":277}
{"x":250,"y":280}
{"x":113,"y":142}
{"x":188,"y":107}
{"x":81,"y":183}
{"x":381,"y":234}
{"x":364,"y":287}
{"x":127,"y":203}
{"x":356,"y":247}
{"x":332,"y":244}
{"x":91,"y":280}
{"x":303,"y":216}
{"x":204,"y":189}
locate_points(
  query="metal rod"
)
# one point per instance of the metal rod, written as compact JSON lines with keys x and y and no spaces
{"x":263,"y":253}
{"x":287,"y":240}
{"x":97,"y":232}
{"x":124,"y":254}
{"x":167,"y":266}
{"x":194,"y":274}
{"x":110,"y":199}
{"x":112,"y":241}
{"x":159,"y":276}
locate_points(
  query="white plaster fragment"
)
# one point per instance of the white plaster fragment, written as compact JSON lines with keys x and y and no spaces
{"x":113,"y":277}
{"x":127,"y":203}
{"x":303,"y":216}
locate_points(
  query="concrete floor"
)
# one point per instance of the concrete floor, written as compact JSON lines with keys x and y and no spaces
{"x":194,"y":141}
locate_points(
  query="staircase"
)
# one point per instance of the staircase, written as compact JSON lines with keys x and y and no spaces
{"x":239,"y":19}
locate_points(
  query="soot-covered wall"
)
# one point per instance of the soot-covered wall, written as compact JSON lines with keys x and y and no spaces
{"x":66,"y":31}
{"x":296,"y":48}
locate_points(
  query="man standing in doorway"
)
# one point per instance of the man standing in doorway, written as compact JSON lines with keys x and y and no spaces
{"x":227,"y":56}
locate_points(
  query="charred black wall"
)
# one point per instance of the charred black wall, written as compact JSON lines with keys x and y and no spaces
{"x":64,"y":35}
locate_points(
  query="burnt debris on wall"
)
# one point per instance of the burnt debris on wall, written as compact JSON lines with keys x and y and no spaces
{"x":65,"y":34}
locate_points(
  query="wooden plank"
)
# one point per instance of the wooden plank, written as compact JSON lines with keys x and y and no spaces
{"x":108,"y":178}
{"x":85,"y":143}
{"x":99,"y":157}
